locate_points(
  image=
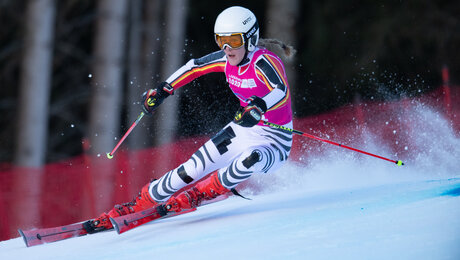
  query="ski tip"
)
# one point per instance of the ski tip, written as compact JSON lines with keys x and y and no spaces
{"x":115,"y":225}
{"x":23,"y":237}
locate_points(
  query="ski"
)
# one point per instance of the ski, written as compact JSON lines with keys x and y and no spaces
{"x":130,"y":221}
{"x":121,"y":224}
{"x":46,"y":235}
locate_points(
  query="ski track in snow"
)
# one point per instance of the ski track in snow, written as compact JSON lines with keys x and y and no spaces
{"x":339,"y":205}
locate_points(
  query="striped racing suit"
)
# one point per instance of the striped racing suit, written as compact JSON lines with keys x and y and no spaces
{"x":236,"y":152}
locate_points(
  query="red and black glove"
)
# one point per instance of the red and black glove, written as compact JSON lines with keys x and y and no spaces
{"x":251,"y":114}
{"x":152,"y":98}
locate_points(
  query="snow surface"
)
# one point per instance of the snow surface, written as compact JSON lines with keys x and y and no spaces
{"x":407,"y":220}
{"x":339,"y":205}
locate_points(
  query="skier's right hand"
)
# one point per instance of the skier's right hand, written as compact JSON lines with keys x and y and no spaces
{"x":153,"y":98}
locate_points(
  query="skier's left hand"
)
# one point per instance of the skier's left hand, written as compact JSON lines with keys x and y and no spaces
{"x":251,"y":114}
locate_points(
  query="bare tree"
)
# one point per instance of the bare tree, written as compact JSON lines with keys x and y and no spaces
{"x":145,"y":34}
{"x":35,"y":84}
{"x":105,"y":107}
{"x":281,"y":20}
{"x":105,"y":104}
{"x":134,"y":69}
{"x":166,"y":116}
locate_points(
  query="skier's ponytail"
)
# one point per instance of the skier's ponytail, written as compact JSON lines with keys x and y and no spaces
{"x":278,"y":47}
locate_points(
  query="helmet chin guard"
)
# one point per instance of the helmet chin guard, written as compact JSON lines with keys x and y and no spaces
{"x":237,"y":19}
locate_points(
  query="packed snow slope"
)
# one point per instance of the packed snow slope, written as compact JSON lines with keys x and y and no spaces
{"x":413,"y":219}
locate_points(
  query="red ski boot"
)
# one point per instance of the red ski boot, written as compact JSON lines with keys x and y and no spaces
{"x":207,"y":189}
{"x":141,"y":202}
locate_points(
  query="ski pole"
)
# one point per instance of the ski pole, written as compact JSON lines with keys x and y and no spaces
{"x":398,"y":162}
{"x":110,"y":155}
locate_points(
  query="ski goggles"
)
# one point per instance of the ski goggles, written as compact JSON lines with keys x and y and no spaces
{"x":233,"y":40}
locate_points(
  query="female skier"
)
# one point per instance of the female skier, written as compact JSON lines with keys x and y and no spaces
{"x":244,"y":146}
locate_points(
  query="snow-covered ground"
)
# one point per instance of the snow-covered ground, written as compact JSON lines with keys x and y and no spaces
{"x":410,"y":219}
{"x":339,"y":205}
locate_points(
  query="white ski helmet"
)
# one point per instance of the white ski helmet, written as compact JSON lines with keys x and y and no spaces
{"x":237,"y":19}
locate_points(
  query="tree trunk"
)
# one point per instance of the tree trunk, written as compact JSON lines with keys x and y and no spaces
{"x":281,"y":19}
{"x":134,"y":81}
{"x":106,"y":103}
{"x":105,"y":107}
{"x":166,"y":116}
{"x":143,"y":71}
{"x":35,"y":84}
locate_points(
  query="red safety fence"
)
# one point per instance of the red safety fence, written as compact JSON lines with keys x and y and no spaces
{"x":82,"y":187}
